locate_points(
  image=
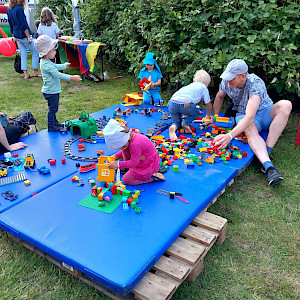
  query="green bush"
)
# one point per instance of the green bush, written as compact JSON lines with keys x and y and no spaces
{"x":187,"y":35}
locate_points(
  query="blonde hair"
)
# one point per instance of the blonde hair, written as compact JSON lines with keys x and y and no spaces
{"x":202,"y":76}
{"x":47,"y":17}
{"x":13,"y":3}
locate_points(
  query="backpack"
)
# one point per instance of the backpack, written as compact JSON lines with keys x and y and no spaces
{"x":17,"y":64}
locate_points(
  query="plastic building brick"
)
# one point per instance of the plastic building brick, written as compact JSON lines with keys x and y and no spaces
{"x":133,"y":204}
{"x":15,"y":154}
{"x":27,"y":182}
{"x":81,"y":147}
{"x":129,"y":201}
{"x":9,"y":195}
{"x":63,"y":160}
{"x":52,"y":162}
{"x":125,"y":207}
{"x":137,"y":210}
{"x":3,"y":172}
{"x":104,"y":173}
{"x":175,"y":168}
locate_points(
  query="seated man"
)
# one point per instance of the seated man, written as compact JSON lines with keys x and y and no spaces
{"x":255,"y":112}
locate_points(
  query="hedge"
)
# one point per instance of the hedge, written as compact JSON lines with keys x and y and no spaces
{"x":188,"y":35}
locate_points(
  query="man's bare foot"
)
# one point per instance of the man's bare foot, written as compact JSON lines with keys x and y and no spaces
{"x":187,"y":129}
{"x":172,"y":133}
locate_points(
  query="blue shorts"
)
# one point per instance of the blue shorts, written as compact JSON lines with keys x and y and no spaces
{"x":262,"y":118}
{"x":154,"y":94}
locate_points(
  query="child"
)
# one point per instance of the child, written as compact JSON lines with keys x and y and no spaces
{"x":51,"y":77}
{"x":48,"y":24}
{"x":138,"y":152}
{"x":184,"y":101}
{"x":152,"y":72}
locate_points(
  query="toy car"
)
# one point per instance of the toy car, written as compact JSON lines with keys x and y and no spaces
{"x":3,"y":172}
{"x":43,"y":170}
{"x":29,"y":161}
{"x":87,"y":168}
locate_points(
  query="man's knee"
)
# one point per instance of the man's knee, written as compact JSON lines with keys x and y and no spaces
{"x":251,"y":131}
{"x":283,"y":107}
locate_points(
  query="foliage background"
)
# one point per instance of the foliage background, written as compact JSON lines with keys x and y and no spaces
{"x":188,"y":35}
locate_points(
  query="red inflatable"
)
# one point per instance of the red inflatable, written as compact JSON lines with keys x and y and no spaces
{"x":7,"y":47}
{"x":3,"y":9}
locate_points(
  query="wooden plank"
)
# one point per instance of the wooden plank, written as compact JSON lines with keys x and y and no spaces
{"x":200,"y":234}
{"x":175,"y":269}
{"x":197,"y":270}
{"x":210,"y":221}
{"x":153,"y":287}
{"x":186,"y":250}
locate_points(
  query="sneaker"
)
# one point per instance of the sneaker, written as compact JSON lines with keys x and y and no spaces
{"x":59,"y":125}
{"x":273,"y":176}
{"x":53,"y":129}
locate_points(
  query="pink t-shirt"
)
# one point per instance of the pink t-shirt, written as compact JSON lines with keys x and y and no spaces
{"x":140,"y":146}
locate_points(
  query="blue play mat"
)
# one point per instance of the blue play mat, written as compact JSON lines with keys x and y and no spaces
{"x":116,"y":249}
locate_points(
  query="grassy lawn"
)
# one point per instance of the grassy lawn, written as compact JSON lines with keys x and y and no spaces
{"x":260,"y":258}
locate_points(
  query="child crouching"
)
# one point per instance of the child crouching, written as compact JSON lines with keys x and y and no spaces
{"x":138,"y":153}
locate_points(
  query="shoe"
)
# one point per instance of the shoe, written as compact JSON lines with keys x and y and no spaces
{"x":273,"y":176}
{"x":53,"y":129}
{"x":157,"y":177}
{"x":59,"y":125}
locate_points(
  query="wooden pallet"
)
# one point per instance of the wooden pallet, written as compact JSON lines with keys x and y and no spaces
{"x":182,"y":261}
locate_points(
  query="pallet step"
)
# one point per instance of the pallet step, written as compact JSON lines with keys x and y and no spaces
{"x":182,"y":261}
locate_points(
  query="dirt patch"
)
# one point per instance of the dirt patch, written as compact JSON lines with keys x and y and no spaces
{"x":77,"y":88}
{"x":4,"y":81}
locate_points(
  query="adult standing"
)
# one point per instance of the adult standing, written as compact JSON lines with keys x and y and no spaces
{"x":21,"y":34}
{"x":255,"y":112}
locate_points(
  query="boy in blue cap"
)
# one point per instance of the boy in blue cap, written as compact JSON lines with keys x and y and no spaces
{"x":152,"y":72}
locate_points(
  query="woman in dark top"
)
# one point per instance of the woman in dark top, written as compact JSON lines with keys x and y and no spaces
{"x":21,"y":34}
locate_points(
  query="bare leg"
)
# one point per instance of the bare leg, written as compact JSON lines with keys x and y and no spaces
{"x":172,"y":132}
{"x":187,"y":129}
{"x":280,"y":115}
{"x":26,"y":75}
{"x":257,"y":143}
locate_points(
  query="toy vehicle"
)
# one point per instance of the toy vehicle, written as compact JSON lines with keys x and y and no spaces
{"x":3,"y":172}
{"x":29,"y":161}
{"x":87,"y":168}
{"x":43,"y":170}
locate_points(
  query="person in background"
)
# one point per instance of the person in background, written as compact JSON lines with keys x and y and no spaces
{"x":22,"y":35}
{"x":48,"y":24}
{"x":51,"y":77}
{"x":152,"y":72}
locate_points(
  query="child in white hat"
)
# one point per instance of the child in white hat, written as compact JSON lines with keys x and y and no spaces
{"x":51,"y":77}
{"x":138,"y":153}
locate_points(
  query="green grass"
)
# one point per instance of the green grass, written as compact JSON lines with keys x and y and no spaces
{"x":260,"y":256}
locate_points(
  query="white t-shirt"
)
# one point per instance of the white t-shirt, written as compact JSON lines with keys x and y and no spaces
{"x":192,"y":93}
{"x":48,"y":30}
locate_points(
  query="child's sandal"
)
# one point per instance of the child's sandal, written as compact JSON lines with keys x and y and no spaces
{"x":157,"y":177}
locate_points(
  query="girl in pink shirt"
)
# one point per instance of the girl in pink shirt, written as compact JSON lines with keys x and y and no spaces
{"x":138,"y":153}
